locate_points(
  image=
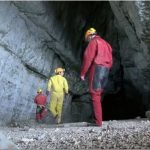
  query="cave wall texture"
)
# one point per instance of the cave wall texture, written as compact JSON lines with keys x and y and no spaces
{"x":36,"y":37}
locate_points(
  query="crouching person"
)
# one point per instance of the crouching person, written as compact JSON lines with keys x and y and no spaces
{"x":40,"y":100}
{"x":58,"y":86}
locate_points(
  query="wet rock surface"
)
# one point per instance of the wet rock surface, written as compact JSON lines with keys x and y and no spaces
{"x":126,"y":134}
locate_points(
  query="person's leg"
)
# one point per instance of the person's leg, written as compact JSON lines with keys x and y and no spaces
{"x":38,"y":114}
{"x":43,"y":112}
{"x":96,"y":98}
{"x":53,"y":105}
{"x":97,"y":82}
{"x":59,"y":106}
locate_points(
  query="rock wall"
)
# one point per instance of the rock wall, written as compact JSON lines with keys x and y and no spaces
{"x":33,"y":42}
{"x":132,"y":21}
{"x":26,"y":60}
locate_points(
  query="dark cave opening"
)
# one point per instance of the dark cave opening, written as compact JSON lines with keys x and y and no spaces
{"x":126,"y":103}
{"x":114,"y":106}
{"x":119,"y":107}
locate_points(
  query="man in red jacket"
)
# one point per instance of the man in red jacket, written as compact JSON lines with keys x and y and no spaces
{"x":40,"y":101}
{"x":98,"y":60}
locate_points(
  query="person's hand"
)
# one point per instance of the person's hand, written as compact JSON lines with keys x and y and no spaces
{"x":42,"y":106}
{"x":82,"y":78}
{"x":47,"y":93}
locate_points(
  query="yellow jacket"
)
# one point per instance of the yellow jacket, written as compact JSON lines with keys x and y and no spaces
{"x":57,"y":83}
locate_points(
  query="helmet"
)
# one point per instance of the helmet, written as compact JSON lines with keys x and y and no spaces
{"x":39,"y":90}
{"x":90,"y":32}
{"x":58,"y":70}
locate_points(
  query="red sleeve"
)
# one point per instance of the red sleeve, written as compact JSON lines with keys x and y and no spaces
{"x":111,"y":60}
{"x":88,"y":57}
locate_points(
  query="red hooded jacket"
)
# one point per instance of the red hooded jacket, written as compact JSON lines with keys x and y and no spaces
{"x":40,"y":99}
{"x":98,"y":52}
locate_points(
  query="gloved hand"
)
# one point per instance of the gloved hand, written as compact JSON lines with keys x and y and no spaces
{"x":47,"y":93}
{"x":82,"y":78}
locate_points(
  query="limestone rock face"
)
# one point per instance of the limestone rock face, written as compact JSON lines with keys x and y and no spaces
{"x":31,"y":46}
{"x":132,"y":21}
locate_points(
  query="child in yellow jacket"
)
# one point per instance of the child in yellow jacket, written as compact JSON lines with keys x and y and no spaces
{"x":58,"y":86}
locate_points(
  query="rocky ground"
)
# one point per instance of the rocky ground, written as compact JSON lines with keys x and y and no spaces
{"x":127,"y":134}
